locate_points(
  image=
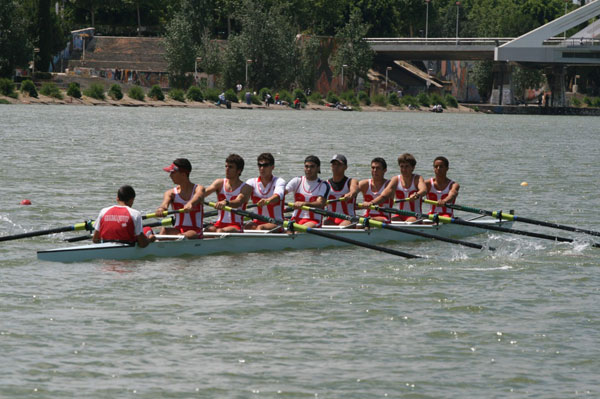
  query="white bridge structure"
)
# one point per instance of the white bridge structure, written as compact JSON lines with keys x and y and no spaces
{"x":541,"y":48}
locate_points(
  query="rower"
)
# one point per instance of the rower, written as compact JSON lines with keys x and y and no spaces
{"x":308,"y":190}
{"x":342,"y":193}
{"x":121,"y":223}
{"x":442,"y":189}
{"x":185,"y":196}
{"x":268,"y":193}
{"x":233,"y":192}
{"x":374,"y":187}
{"x":407,"y":187}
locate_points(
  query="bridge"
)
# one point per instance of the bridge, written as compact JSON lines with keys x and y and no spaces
{"x":541,"y":48}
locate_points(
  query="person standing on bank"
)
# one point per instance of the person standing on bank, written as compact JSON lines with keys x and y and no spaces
{"x":121,"y":223}
{"x":186,"y":196}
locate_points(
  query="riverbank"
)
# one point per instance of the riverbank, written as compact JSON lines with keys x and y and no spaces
{"x":148,"y":102}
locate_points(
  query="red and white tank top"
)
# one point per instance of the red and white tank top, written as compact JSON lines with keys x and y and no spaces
{"x":119,"y":223}
{"x":370,"y":195}
{"x":437,"y":195}
{"x":405,"y":192}
{"x":223,"y":194}
{"x":259,"y":191}
{"x":307,"y":191}
{"x":345,"y":207}
{"x":194,"y":218}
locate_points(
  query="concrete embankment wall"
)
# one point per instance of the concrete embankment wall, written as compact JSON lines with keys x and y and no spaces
{"x":534,"y":110}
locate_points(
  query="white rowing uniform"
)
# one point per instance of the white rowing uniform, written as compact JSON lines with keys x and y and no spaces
{"x":225,"y":217}
{"x":437,"y":195}
{"x":370,"y":195}
{"x":307,"y":191}
{"x":260,"y":191}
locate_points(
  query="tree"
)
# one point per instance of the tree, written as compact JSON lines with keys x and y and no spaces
{"x":526,"y":78}
{"x":353,"y":50}
{"x":180,"y":51}
{"x":483,"y":77}
{"x":267,"y":40}
{"x":15,"y":45}
{"x":91,"y":6}
{"x":310,"y":55}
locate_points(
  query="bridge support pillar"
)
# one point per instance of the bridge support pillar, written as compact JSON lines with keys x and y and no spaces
{"x":555,"y":75}
{"x":502,"y":86}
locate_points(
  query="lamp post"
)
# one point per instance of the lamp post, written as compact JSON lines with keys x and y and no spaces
{"x":248,"y":62}
{"x":196,"y":61}
{"x":426,"y":19}
{"x":386,"y":79}
{"x":35,"y":50}
{"x":457,"y":8}
{"x":343,"y":66}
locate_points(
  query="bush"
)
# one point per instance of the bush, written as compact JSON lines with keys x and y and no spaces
{"x":194,"y":93}
{"x":212,"y":95}
{"x":451,"y":101}
{"x":51,"y":90}
{"x":380,"y":99}
{"x":349,"y":98}
{"x":435,"y":99}
{"x":285,"y":95}
{"x":156,"y":93}
{"x":4,"y":101}
{"x":231,"y":96}
{"x":177,"y":95}
{"x":332,"y":97}
{"x":115,"y":92}
{"x":587,"y":101}
{"x":299,"y":94}
{"x":409,"y":100}
{"x":316,"y":98}
{"x":364,"y":98}
{"x":136,"y":93}
{"x":96,"y":90}
{"x":256,"y":100}
{"x":596,"y":102}
{"x":575,"y":102}
{"x":74,"y":90}
{"x":27,"y":86}
{"x":393,"y":99}
{"x":7,"y":88}
{"x":423,"y":99}
{"x":262,"y":94}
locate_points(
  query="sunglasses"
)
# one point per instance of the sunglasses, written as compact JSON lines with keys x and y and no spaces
{"x":263,"y":165}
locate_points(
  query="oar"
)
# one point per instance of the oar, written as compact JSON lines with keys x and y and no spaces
{"x":445,"y":219}
{"x":508,"y":216}
{"x":87,"y":225}
{"x":382,"y":225}
{"x":298,"y":227}
{"x":164,"y":222}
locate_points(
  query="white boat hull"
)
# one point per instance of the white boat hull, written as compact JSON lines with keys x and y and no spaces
{"x":253,"y":241}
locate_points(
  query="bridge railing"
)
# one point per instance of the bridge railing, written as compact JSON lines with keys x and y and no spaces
{"x":446,"y":41}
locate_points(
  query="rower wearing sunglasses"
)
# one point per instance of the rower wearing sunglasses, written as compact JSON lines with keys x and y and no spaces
{"x":268,"y":193}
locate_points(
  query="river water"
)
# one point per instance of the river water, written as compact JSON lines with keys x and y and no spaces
{"x":523,"y":322}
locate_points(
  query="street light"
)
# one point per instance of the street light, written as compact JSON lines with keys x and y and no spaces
{"x":386,"y":79}
{"x":35,"y":50}
{"x":196,"y":61}
{"x":343,"y":66}
{"x":457,"y":8}
{"x":426,"y":19}
{"x":248,"y":62}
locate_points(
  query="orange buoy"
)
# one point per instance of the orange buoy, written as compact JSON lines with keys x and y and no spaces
{"x":25,"y":202}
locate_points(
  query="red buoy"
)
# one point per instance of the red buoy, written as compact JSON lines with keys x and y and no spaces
{"x":25,"y":202}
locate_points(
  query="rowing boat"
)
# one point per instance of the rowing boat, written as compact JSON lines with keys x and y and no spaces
{"x":254,"y":241}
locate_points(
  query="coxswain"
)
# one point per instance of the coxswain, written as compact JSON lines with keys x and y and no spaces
{"x":185,"y":196}
{"x":308,"y":190}
{"x":342,"y":193}
{"x":268,"y":193}
{"x":373,"y":188}
{"x":121,"y":223}
{"x":441,"y":189}
{"x":407,"y":188}
{"x":232,"y":192}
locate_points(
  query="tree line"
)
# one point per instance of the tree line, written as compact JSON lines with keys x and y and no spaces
{"x":261,"y":33}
